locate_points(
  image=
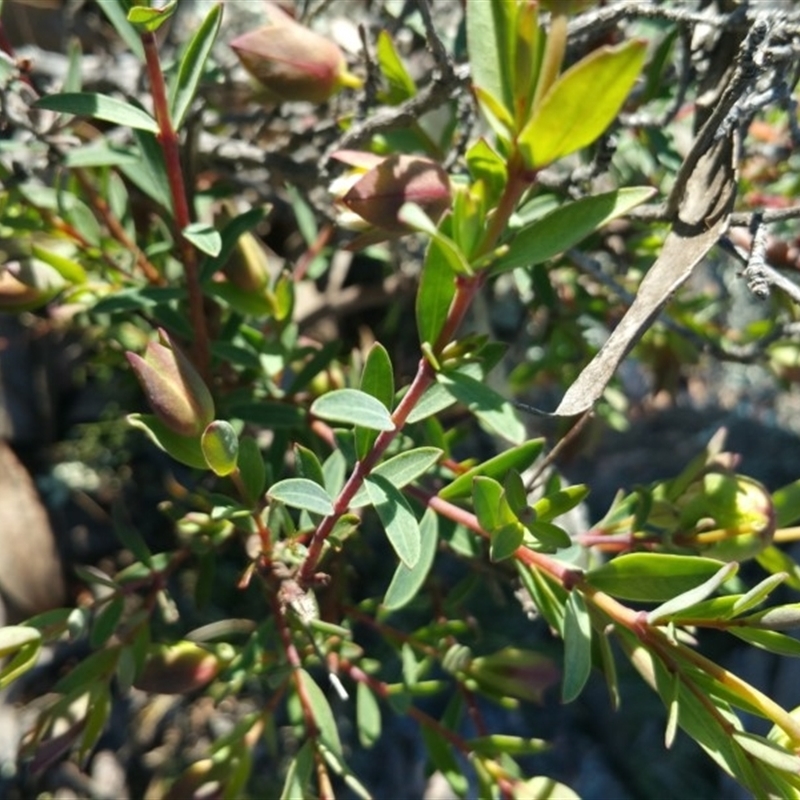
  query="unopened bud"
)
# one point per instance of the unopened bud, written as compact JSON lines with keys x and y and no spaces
{"x":512,"y":672}
{"x":374,"y":194}
{"x":174,"y":389}
{"x":177,"y":668}
{"x":291,"y":62}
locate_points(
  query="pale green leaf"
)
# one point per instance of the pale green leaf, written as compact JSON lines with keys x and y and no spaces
{"x":577,"y":647}
{"x":400,"y":470}
{"x":204,"y":237}
{"x":302,"y":493}
{"x":407,"y":582}
{"x":397,"y":518}
{"x":354,"y":407}
{"x":581,"y":103}
{"x":323,"y":716}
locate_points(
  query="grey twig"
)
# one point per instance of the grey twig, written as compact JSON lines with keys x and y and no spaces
{"x":755,"y":271}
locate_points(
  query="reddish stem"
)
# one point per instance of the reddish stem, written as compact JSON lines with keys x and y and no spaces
{"x":168,"y":139}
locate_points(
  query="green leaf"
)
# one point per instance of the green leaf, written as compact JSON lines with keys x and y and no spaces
{"x":117,"y":13}
{"x":150,"y":174}
{"x":438,"y":751}
{"x":368,"y":716}
{"x":777,"y":562}
{"x":505,"y":540}
{"x":758,"y":593}
{"x":377,"y":380}
{"x":71,"y":271}
{"x":487,"y":497}
{"x":220,"y":446}
{"x":486,"y":164}
{"x":490,"y":27}
{"x":308,"y":465}
{"x":400,"y":470}
{"x":581,"y":103}
{"x":787,"y":505}
{"x":204,"y":237}
{"x":268,"y":413}
{"x":106,"y":621}
{"x":185,"y":449}
{"x":401,"y":84}
{"x":23,"y":645}
{"x":550,"y":536}
{"x":518,"y":458}
{"x":298,"y":776}
{"x":230,"y":234}
{"x":566,"y":226}
{"x":251,"y":469}
{"x":14,"y":637}
{"x":491,"y":408}
{"x":686,"y":600}
{"x":193,"y":62}
{"x":436,"y":291}
{"x":397,"y":518}
{"x":767,"y":752}
{"x":543,"y":788}
{"x":99,"y":106}
{"x":415,"y":217}
{"x":354,"y":407}
{"x":302,"y":493}
{"x":151,"y":19}
{"x":557,"y":503}
{"x":99,"y":710}
{"x":407,"y":582}
{"x":323,"y":716}
{"x":655,"y":577}
{"x":577,"y":647}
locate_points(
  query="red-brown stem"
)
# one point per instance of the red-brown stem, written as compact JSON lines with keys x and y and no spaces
{"x":115,"y":228}
{"x":168,"y":139}
{"x":422,"y":380}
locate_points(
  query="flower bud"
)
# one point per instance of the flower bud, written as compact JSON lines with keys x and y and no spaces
{"x":291,"y":62}
{"x":512,"y":672}
{"x":177,"y":668}
{"x":220,"y":446}
{"x":175,"y":391}
{"x":376,"y":189}
{"x":726,"y":516}
{"x":28,"y":285}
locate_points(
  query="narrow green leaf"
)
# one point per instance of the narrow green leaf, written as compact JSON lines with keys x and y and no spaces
{"x":323,"y":716}
{"x":302,"y":493}
{"x":415,"y":217}
{"x":99,"y":710}
{"x":397,"y":518}
{"x":550,"y":536}
{"x":354,"y":407}
{"x":581,"y":103}
{"x":577,"y":647}
{"x":377,"y":380}
{"x":673,"y":711}
{"x":490,"y":27}
{"x":150,"y":174}
{"x":440,"y":754}
{"x":99,"y":106}
{"x":407,"y":582}
{"x":655,"y":577}
{"x":436,"y":291}
{"x":400,"y":470}
{"x":70,"y":270}
{"x":776,"y":561}
{"x":15,"y":637}
{"x":308,"y":465}
{"x":193,"y":63}
{"x":758,"y":593}
{"x":772,"y":641}
{"x":787,"y":504}
{"x":401,"y":84}
{"x":340,"y":768}
{"x":543,"y":788}
{"x":251,"y":469}
{"x":491,"y":408}
{"x":486,"y":164}
{"x":185,"y":449}
{"x":518,"y":458}
{"x":566,"y":226}
{"x":106,"y":621}
{"x":548,"y":597}
{"x":560,"y":502}
{"x":686,"y":600}
{"x":768,"y":752}
{"x":368,"y":716}
{"x":117,"y":13}
{"x":204,"y":237}
{"x":298,"y":776}
{"x":779,"y":618}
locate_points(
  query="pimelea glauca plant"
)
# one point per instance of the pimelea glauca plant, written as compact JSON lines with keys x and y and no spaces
{"x":297,"y":456}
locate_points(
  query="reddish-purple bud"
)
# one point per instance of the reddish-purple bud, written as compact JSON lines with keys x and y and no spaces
{"x":291,"y":62}
{"x":175,"y":391}
{"x":375,"y":191}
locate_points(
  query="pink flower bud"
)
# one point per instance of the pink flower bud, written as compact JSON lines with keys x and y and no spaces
{"x":374,"y":192}
{"x":291,"y":62}
{"x":175,"y":391}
